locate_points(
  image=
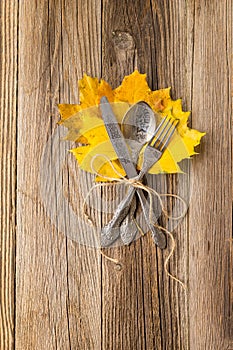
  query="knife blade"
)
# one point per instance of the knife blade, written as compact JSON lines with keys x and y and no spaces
{"x":117,"y":138}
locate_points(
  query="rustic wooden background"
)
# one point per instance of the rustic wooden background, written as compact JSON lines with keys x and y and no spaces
{"x":55,"y":293}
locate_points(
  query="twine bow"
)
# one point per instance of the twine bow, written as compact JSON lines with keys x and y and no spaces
{"x":151,"y":192}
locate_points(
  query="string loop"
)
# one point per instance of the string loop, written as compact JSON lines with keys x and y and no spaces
{"x":135,"y":182}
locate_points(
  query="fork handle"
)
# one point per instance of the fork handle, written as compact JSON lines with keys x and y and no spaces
{"x":157,"y":235}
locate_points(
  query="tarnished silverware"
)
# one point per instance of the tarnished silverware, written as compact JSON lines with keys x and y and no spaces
{"x":111,"y":231}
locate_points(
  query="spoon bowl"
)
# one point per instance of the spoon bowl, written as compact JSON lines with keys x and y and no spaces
{"x":138,"y":126}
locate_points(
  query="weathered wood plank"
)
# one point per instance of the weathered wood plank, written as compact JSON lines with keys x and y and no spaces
{"x":173,"y":25}
{"x":8,"y":107}
{"x":211,"y":208}
{"x":58,"y":281}
{"x":146,"y":35}
{"x":81,"y":51}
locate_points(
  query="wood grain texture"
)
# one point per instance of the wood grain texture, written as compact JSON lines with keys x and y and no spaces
{"x":66,"y":295}
{"x":210,"y":243}
{"x":58,"y":281}
{"x":8,"y":106}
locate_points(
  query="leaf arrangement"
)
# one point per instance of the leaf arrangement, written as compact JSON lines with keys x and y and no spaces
{"x":87,"y":129}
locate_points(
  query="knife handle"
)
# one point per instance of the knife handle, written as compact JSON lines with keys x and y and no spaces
{"x":111,"y":231}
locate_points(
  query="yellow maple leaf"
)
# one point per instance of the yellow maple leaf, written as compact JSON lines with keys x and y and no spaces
{"x":95,"y":152}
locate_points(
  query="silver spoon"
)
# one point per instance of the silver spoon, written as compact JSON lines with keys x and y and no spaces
{"x":138,"y":126}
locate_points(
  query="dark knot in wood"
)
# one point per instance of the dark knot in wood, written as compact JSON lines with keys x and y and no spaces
{"x":123,"y":40}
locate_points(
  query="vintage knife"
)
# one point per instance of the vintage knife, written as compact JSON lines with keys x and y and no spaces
{"x":121,"y":149}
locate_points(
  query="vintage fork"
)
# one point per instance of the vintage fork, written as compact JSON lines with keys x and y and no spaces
{"x":153,"y":152}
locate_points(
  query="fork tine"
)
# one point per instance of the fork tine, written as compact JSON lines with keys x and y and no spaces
{"x":160,"y":140}
{"x":166,"y":130}
{"x":163,"y":124}
{"x":172,"y":128}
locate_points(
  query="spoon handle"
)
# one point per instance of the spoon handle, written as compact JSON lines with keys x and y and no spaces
{"x":129,"y":227}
